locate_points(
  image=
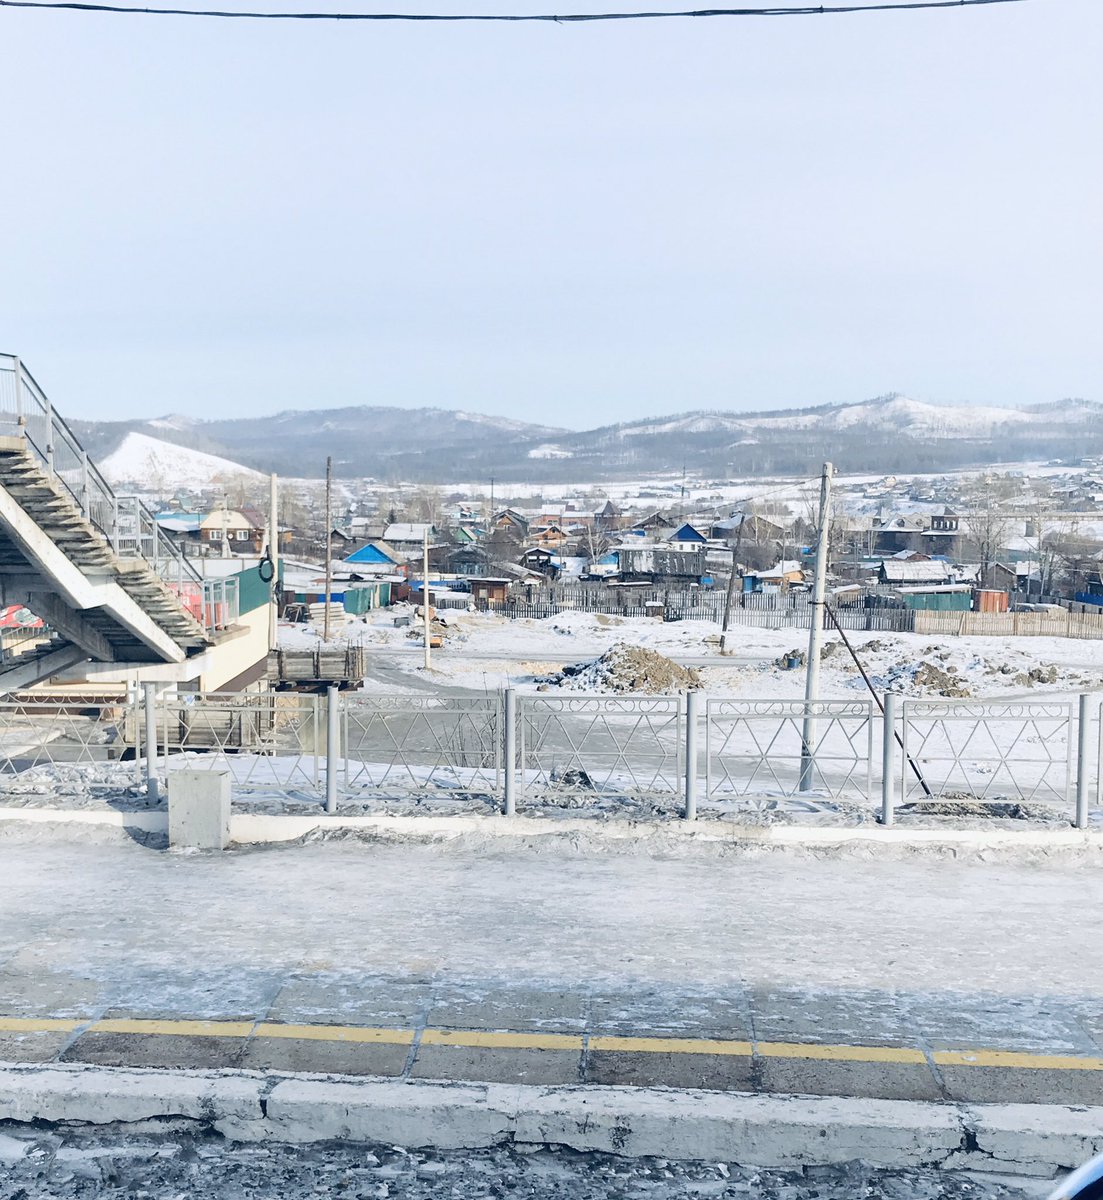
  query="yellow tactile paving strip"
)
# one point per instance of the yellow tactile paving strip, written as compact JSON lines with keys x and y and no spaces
{"x":493,"y":1040}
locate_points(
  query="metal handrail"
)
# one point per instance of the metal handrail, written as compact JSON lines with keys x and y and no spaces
{"x":127,"y":523}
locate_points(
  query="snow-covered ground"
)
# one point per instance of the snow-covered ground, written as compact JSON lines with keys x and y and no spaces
{"x":484,"y":652}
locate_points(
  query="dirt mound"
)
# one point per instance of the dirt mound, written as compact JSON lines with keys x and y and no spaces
{"x":626,"y":669}
{"x":930,"y":677}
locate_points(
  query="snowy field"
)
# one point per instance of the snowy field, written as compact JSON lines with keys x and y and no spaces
{"x":78,"y":1165}
{"x":484,"y":652}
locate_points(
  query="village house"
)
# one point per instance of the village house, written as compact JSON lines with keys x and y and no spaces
{"x":609,"y":518}
{"x":240,"y":532}
{"x":903,"y":532}
{"x":548,"y":537}
{"x":661,"y":564}
{"x":407,"y":538}
{"x":545,"y":562}
{"x":509,"y":520}
{"x":688,"y":534}
{"x":374,"y":558}
{"x":778,"y":578}
{"x":895,"y":572}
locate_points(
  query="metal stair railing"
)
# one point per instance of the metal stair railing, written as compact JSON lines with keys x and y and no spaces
{"x":125,"y":521}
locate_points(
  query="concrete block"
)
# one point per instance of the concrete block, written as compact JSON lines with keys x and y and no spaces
{"x":231,"y":1103}
{"x":446,"y":1116}
{"x":1037,"y":1139}
{"x":199,"y":809}
{"x":758,"y":1131}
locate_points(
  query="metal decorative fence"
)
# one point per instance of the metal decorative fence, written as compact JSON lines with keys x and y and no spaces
{"x":267,"y":741}
{"x":604,"y":751}
{"x":759,"y":748}
{"x":982,"y":749}
{"x":417,"y":744}
{"x":628,"y":746}
{"x":80,"y":745}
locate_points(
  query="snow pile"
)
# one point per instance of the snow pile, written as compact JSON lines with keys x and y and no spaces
{"x":625,"y":670}
{"x":957,"y":672}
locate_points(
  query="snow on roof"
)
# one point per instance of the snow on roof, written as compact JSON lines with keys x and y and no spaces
{"x":407,"y":531}
{"x":179,"y":522}
{"x":788,"y":566}
{"x":914,"y":572}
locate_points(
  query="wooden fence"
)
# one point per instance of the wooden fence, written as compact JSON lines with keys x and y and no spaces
{"x":1010,"y":624}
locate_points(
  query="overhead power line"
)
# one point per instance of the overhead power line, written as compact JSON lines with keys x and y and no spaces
{"x":803,"y":10}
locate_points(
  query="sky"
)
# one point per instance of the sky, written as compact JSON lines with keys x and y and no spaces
{"x":570,"y":224}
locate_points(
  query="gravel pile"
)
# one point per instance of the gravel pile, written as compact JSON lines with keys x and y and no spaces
{"x":624,"y":670}
{"x":77,"y":1165}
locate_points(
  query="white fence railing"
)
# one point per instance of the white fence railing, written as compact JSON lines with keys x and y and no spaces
{"x":685,"y":753}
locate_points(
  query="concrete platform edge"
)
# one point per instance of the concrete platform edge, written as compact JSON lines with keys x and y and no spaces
{"x":262,"y":828}
{"x":758,"y":1131}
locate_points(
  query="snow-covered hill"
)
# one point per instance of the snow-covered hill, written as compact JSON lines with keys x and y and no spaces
{"x":147,"y":462}
{"x":896,"y":415}
{"x":887,"y":434}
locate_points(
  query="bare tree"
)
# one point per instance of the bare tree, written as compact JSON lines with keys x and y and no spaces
{"x":989,"y":523}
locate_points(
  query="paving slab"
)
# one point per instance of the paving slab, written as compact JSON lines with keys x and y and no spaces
{"x":497,"y":1064}
{"x":292,"y":1054}
{"x":351,"y":999}
{"x":871,"y":1016}
{"x":847,"y":1077}
{"x":156,"y":1050}
{"x":710,"y":1072}
{"x":494,"y":1006}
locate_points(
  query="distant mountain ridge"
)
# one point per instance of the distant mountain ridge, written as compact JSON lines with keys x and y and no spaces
{"x":888,"y":433}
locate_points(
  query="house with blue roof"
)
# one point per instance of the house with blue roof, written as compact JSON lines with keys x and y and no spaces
{"x":688,"y":533}
{"x":374,"y":555}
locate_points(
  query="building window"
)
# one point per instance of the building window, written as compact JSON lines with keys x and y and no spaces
{"x":243,"y":535}
{"x":214,"y":535}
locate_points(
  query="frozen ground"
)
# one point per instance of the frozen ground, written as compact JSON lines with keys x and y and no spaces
{"x":902,"y":941}
{"x":75,"y":1165}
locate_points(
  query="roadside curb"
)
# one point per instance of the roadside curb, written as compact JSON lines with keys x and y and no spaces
{"x":253,"y":829}
{"x":777,"y":1132}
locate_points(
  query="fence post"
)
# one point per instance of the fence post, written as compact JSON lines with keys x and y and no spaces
{"x":888,"y":758}
{"x":333,"y":738}
{"x":1082,"y":726}
{"x":509,"y":721}
{"x":84,"y":482}
{"x":149,"y":706}
{"x":20,"y":419}
{"x":48,"y":449}
{"x":690,"y":813}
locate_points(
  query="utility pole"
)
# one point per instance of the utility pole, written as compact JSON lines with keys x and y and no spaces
{"x":815,"y":632}
{"x":425,"y":594}
{"x":490,"y":522}
{"x":731,"y":584}
{"x":329,"y":544}
{"x":274,"y":555}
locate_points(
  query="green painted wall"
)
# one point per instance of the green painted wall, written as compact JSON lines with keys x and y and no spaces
{"x":939,"y":601}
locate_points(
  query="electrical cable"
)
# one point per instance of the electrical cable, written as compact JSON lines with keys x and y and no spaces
{"x":803,"y":10}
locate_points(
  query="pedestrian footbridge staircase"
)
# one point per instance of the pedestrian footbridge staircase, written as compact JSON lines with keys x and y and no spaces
{"x":93,"y":566}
